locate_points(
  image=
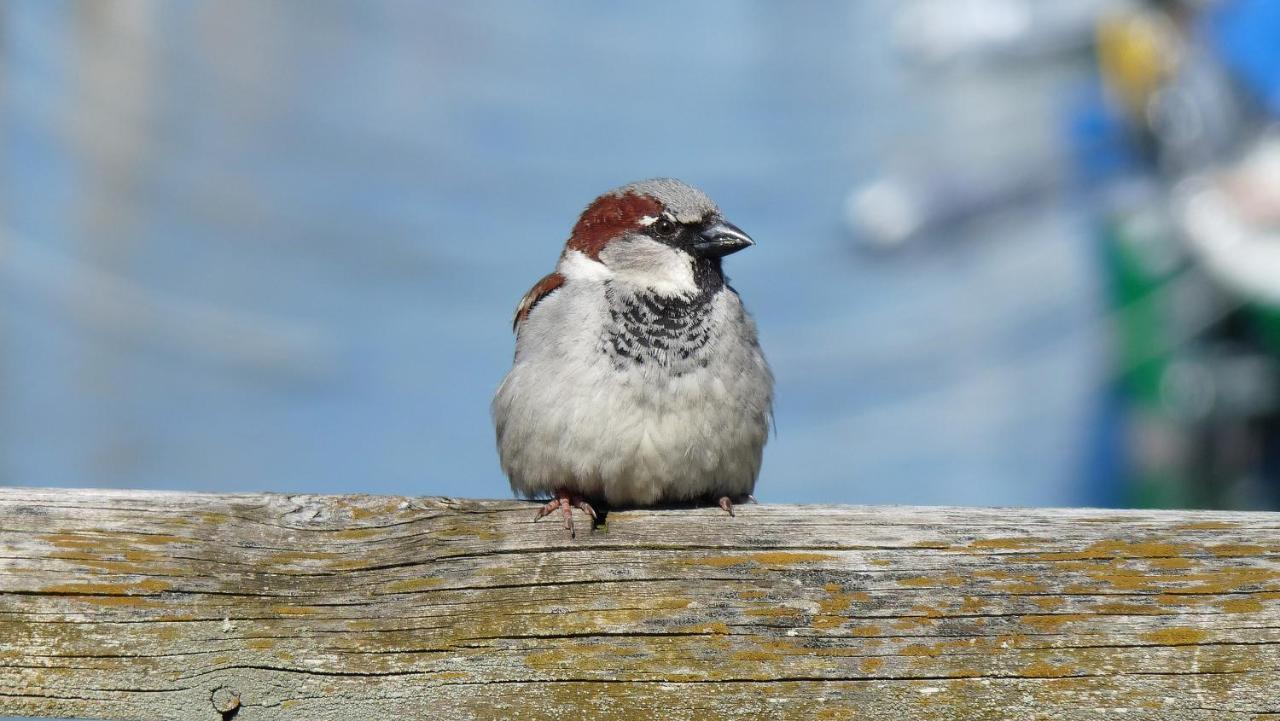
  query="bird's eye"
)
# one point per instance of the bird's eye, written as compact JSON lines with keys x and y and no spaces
{"x":664,"y":227}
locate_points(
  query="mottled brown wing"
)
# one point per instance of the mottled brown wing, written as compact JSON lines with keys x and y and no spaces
{"x":541,"y":290}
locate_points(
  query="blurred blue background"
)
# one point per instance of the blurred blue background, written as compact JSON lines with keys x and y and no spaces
{"x":276,"y":246}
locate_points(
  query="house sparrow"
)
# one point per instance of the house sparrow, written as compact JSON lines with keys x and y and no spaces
{"x":637,"y":379}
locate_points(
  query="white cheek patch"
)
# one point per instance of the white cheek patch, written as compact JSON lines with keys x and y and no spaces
{"x":577,"y":266}
{"x":645,"y":263}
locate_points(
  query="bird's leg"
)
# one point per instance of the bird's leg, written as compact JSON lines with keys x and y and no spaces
{"x":727,"y":503}
{"x":566,"y":502}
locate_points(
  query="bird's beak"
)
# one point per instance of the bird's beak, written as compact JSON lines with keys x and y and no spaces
{"x":719,"y":238}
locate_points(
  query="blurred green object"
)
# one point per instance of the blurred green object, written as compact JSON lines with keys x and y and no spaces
{"x":1197,"y":368}
{"x":1267,"y":324}
{"x":1141,"y":264}
{"x":1141,"y":260}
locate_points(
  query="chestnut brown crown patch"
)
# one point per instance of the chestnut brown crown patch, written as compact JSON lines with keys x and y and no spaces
{"x":610,"y":216}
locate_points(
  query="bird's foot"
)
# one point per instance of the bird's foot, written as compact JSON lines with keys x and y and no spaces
{"x":727,"y":503}
{"x":566,"y":502}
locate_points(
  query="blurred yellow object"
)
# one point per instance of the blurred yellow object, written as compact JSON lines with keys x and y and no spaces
{"x":1137,"y":52}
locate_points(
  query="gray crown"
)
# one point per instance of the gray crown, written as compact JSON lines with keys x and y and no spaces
{"x":685,"y":202}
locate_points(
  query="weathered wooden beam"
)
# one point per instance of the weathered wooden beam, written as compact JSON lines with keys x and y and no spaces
{"x":137,"y":605}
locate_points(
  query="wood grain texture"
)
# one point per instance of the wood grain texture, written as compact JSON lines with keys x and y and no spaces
{"x":138,"y":605}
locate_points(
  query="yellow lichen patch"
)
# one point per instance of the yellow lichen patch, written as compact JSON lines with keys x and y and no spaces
{"x":474,"y":530}
{"x":832,"y":608}
{"x":555,"y":658}
{"x":1016,"y":587}
{"x":716,"y":627}
{"x":1069,"y":683}
{"x":1007,"y":543}
{"x":158,"y":539}
{"x":908,"y":623}
{"x":756,"y":656}
{"x":774,"y":612}
{"x":261,"y":644}
{"x":71,"y":541}
{"x":1117,"y":548}
{"x":718,"y":561}
{"x":130,"y":601}
{"x":287,"y":557}
{"x":413,"y":584}
{"x":350,"y":564}
{"x":1176,"y":636}
{"x":356,"y":534}
{"x":1043,"y":669}
{"x":785,"y":558}
{"x":1051,"y":622}
{"x":751,"y":595}
{"x":1236,"y":550}
{"x":826,"y":623}
{"x":1048,"y":603}
{"x":1128,"y":609}
{"x":765,"y":558}
{"x":1241,"y":605}
{"x":937,"y":545}
{"x":1228,"y":580}
{"x":1173,"y":599}
{"x":865,"y":631}
{"x":289,"y":610}
{"x":836,"y":714}
{"x":927,"y":611}
{"x":788,"y":647}
{"x":920,"y":649}
{"x":972,"y":604}
{"x":1171,"y":564}
{"x":1206,"y":526}
{"x":881,"y":562}
{"x":123,"y":568}
{"x":671,"y":604}
{"x":929,"y":582}
{"x":150,"y":585}
{"x":369,"y":509}
{"x":1012,"y":640}
{"x":870,"y":665}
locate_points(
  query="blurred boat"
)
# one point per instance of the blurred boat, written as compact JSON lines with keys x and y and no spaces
{"x":899,"y":208}
{"x":943,"y":32}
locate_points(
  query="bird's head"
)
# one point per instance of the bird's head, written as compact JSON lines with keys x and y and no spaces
{"x":655,"y":235}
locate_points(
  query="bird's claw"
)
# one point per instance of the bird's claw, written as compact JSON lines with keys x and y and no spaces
{"x":726,"y":503}
{"x":566,"y":502}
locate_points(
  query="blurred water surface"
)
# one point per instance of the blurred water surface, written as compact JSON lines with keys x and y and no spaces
{"x":276,"y":246}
